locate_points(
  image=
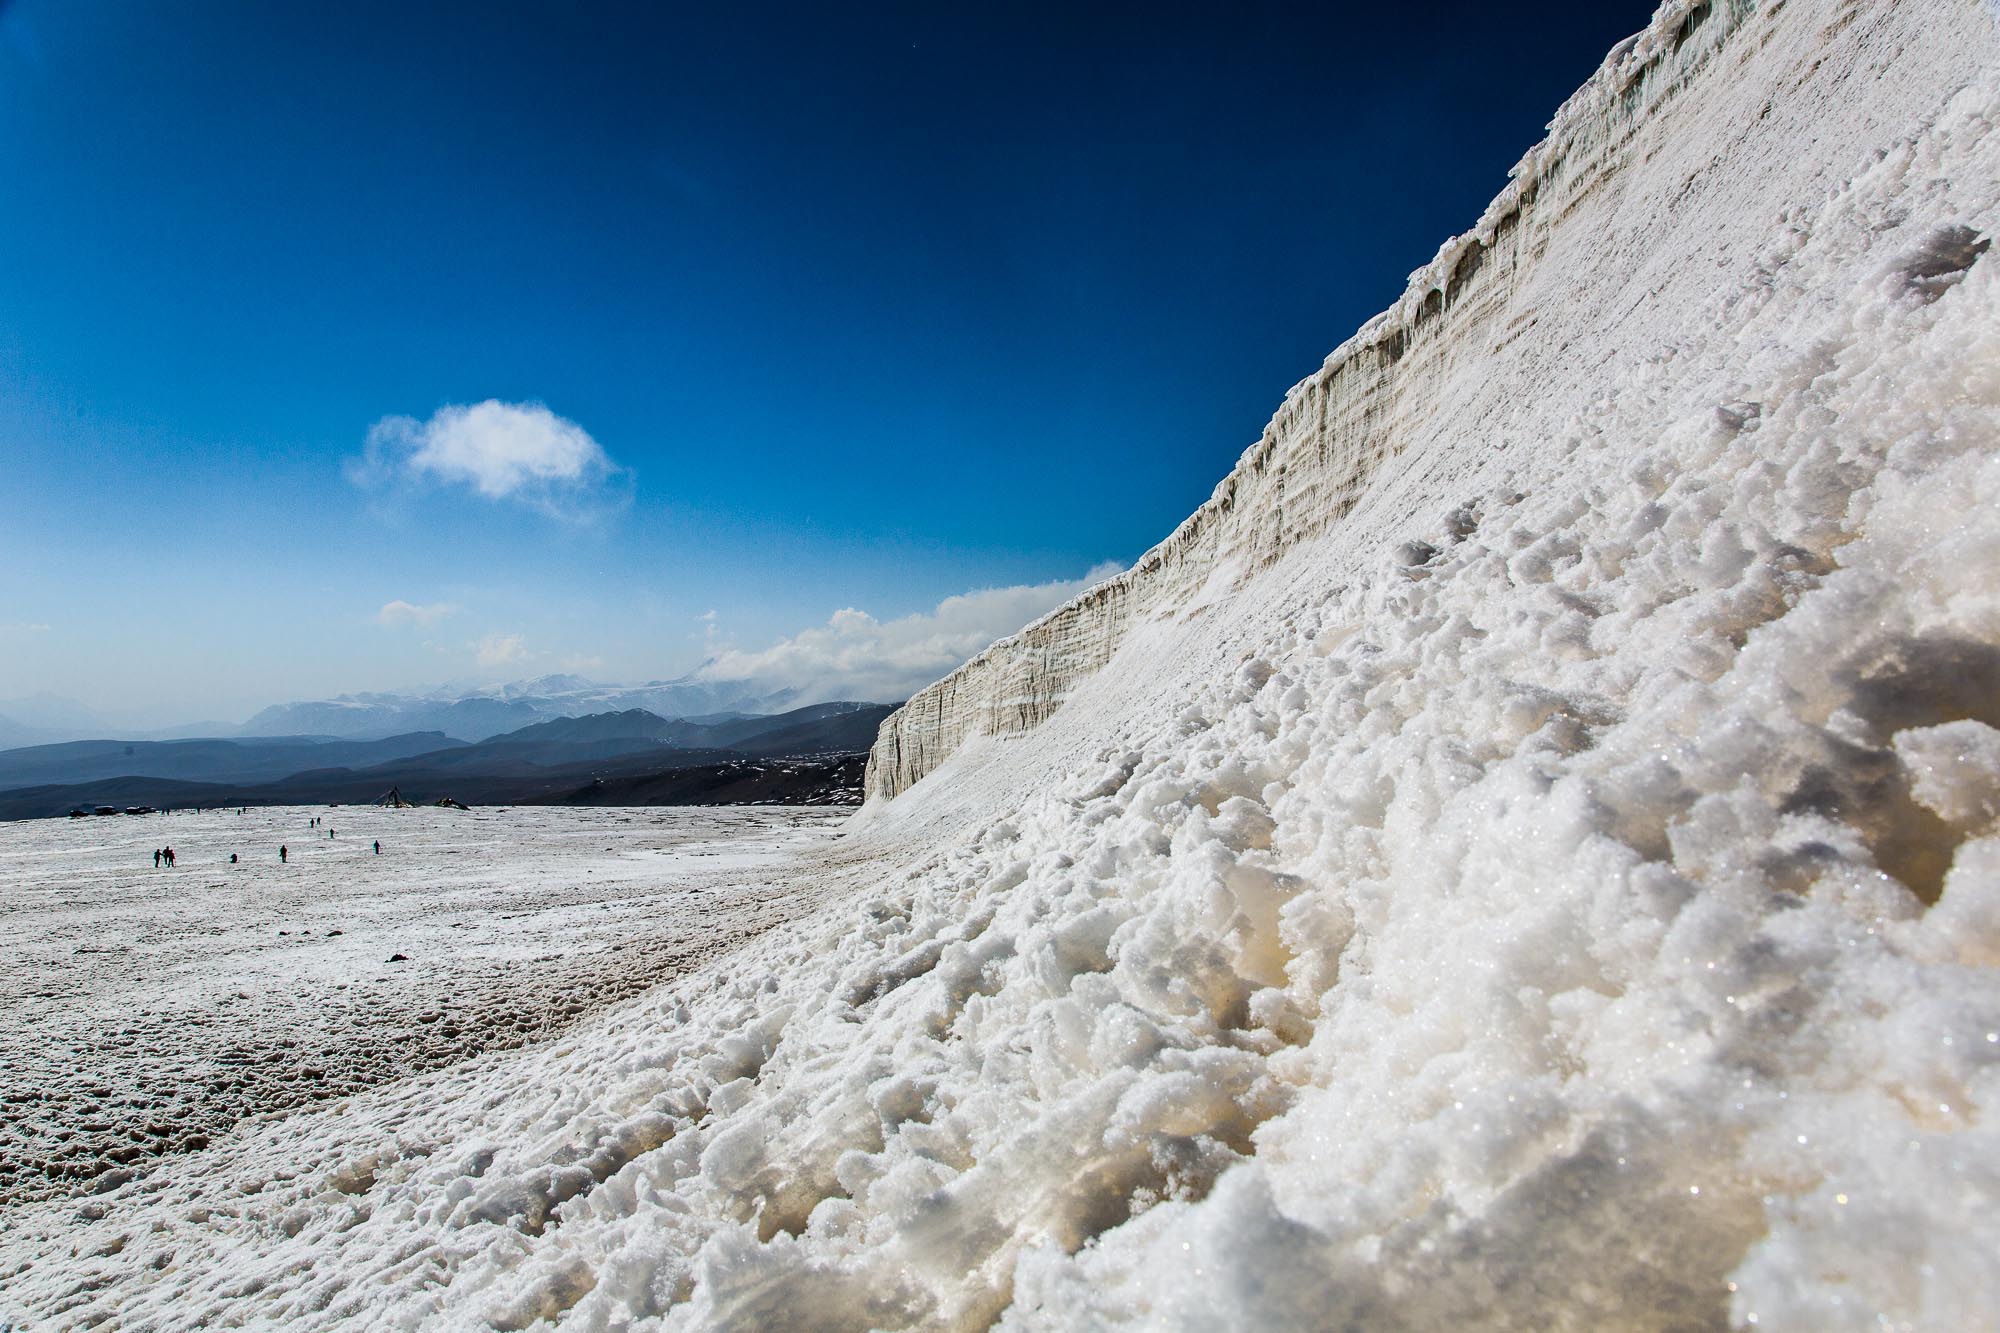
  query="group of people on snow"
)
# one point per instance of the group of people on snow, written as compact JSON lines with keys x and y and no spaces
{"x":164,"y":856}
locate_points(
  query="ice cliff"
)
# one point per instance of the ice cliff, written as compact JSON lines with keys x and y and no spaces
{"x":1525,"y":854}
{"x":1659,"y":185}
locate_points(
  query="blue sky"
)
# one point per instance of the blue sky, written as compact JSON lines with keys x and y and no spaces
{"x":853,"y":307}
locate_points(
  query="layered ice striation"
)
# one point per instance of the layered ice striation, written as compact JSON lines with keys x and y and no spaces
{"x":1526,"y":854}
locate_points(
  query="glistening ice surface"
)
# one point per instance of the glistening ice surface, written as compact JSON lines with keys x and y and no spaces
{"x":1524,"y":856}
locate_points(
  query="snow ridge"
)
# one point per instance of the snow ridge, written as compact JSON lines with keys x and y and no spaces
{"x":1411,"y":376}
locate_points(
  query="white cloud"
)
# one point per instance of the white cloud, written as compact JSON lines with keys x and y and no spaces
{"x":399,"y":613}
{"x":11,"y":628}
{"x":578,"y":663}
{"x":497,"y":650}
{"x":502,"y":451}
{"x":855,"y":656}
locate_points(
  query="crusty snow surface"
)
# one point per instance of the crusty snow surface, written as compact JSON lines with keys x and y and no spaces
{"x":1566,"y":894}
{"x":147,"y":1010}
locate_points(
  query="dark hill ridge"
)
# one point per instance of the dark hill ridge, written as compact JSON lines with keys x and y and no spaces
{"x":590,"y":759}
{"x":828,"y":733}
{"x":658,"y":777}
{"x":831,"y":780}
{"x":630,"y":724}
{"x":493,"y":710}
{"x":262,"y":759}
{"x":814,"y":729}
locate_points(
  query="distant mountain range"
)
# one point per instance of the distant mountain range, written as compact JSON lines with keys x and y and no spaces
{"x":213,"y":760}
{"x":462,"y":712}
{"x":478,"y":713}
{"x":14,"y":733}
{"x":41,"y":719}
{"x":587,"y":759}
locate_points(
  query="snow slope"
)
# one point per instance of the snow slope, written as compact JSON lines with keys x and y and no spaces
{"x":1553,"y":884}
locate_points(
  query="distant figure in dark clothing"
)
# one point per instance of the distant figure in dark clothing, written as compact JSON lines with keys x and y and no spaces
{"x":156,"y":858}
{"x":329,"y":833}
{"x":378,"y":846}
{"x":283,"y":854}
{"x":232,"y":858}
{"x":169,"y":854}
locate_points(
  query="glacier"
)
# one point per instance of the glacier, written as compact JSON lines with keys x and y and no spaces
{"x":1524,"y":854}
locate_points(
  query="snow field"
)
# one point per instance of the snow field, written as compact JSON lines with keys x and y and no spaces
{"x":148,"y":1010}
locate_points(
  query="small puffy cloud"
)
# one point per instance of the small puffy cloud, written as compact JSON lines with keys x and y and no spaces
{"x":498,"y":650}
{"x":503,"y":451}
{"x":399,"y":613}
{"x":855,"y":656}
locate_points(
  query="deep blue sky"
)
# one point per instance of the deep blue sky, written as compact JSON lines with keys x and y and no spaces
{"x":874,"y":304}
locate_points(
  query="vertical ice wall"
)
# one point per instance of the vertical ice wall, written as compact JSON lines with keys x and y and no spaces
{"x":1656,"y":186}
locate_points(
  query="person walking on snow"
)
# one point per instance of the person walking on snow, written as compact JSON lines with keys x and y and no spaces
{"x":283,"y":854}
{"x":156,"y":858}
{"x":378,"y":846}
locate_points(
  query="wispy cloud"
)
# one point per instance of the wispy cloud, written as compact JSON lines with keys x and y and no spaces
{"x":399,"y":613}
{"x":499,"y":650}
{"x":855,"y":656}
{"x":520,"y":452}
{"x":21,"y":628}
